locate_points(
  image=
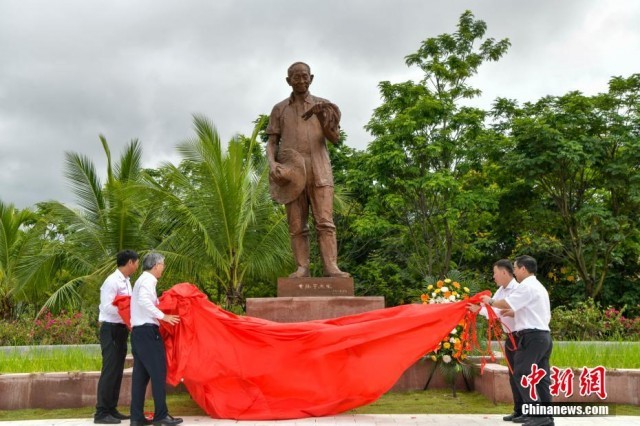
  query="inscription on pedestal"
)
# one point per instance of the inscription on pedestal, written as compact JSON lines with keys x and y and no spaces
{"x":315,"y":286}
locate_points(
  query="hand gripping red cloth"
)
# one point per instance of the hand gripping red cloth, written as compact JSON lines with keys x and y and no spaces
{"x":239,"y":367}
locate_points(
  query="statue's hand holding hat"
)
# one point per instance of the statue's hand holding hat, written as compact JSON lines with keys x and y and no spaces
{"x":287,"y":179}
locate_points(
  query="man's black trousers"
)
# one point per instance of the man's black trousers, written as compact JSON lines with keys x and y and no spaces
{"x":113,"y":343}
{"x":149,"y":363}
{"x":510,"y":352}
{"x":534,"y":348}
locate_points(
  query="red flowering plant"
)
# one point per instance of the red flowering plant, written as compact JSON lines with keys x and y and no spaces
{"x":64,"y":328}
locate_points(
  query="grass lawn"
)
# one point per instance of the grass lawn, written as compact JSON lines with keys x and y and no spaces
{"x":435,"y":401}
{"x":567,"y":354}
{"x":592,"y":354}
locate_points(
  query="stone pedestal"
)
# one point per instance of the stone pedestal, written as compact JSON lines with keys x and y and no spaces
{"x":315,"y":286}
{"x":312,"y":298}
{"x":297,"y":309}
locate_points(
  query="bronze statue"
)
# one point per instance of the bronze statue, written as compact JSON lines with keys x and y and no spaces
{"x":300,"y":169}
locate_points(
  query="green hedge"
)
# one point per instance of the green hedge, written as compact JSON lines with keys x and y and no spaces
{"x":586,"y":321}
{"x":65,"y":328}
{"x":589,"y":321}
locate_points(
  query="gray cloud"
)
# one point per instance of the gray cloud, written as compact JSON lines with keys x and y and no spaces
{"x":74,"y":69}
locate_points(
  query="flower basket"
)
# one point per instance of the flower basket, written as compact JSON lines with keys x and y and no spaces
{"x":450,"y":355}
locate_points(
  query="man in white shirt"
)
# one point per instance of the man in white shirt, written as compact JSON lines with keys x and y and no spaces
{"x":530,"y":302}
{"x":149,"y":358}
{"x":503,"y":277}
{"x":113,"y":339}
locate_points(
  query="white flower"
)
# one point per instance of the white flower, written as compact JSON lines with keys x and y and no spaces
{"x":454,"y":331}
{"x":446,"y":359}
{"x":452,"y":339}
{"x":452,"y":298}
{"x":444,"y":289}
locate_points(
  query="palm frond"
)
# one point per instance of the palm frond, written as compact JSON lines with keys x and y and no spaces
{"x":66,"y":296}
{"x":107,"y":151}
{"x":130,"y":165}
{"x":85,"y":184}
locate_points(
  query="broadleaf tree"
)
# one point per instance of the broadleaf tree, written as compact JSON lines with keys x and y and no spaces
{"x":426,"y":161}
{"x":578,"y":157}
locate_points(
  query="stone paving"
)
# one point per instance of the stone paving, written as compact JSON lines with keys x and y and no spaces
{"x":363,"y":420}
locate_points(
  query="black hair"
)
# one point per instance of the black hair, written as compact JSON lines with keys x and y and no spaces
{"x":123,"y":257}
{"x":528,"y":262}
{"x":505,"y":264}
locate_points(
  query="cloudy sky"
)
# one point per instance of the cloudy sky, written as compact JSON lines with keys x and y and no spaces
{"x":73,"y":69}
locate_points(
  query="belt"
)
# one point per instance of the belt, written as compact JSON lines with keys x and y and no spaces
{"x":146,"y":325}
{"x":520,"y":333}
{"x":113,"y":324}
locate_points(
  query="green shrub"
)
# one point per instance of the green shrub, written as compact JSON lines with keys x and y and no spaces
{"x":588,"y":321}
{"x":65,"y":328}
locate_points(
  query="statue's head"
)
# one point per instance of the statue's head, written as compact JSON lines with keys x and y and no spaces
{"x":299,"y":77}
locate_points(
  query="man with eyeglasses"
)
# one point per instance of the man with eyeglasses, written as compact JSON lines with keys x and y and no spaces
{"x":530,"y":303}
{"x":149,"y":357}
{"x":507,"y":284}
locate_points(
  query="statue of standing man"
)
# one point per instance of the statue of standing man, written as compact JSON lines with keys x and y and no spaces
{"x":300,"y":170}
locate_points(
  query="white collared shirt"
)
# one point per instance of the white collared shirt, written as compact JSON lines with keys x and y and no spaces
{"x":508,"y":323}
{"x":530,"y":302}
{"x":115,"y":285}
{"x":144,"y":301}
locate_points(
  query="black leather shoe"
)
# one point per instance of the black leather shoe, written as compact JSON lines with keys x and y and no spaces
{"x":539,"y":421}
{"x":106,"y":420}
{"x":520,"y":419}
{"x":511,"y":416}
{"x":144,"y":422}
{"x":118,"y":415}
{"x":168,"y":421}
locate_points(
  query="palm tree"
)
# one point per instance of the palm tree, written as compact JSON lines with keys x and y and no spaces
{"x":108,"y":218}
{"x":18,"y":240}
{"x":223,"y":230}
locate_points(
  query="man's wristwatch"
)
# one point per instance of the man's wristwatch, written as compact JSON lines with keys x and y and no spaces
{"x":491,"y":302}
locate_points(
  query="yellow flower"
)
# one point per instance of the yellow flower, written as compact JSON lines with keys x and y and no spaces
{"x":571,"y":278}
{"x":452,"y":346}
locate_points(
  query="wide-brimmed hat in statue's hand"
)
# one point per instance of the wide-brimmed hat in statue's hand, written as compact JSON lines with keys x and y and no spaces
{"x":287,"y":181}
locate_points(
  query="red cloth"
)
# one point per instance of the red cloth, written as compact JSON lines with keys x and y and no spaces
{"x":239,"y":367}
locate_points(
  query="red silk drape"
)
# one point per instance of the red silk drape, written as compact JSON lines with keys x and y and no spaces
{"x":239,"y":367}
